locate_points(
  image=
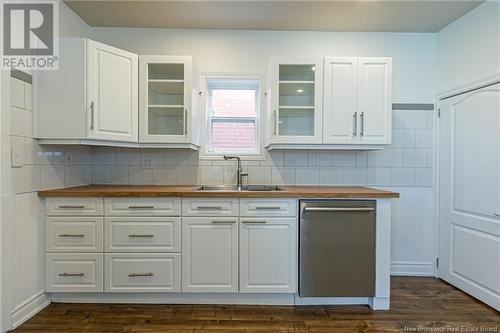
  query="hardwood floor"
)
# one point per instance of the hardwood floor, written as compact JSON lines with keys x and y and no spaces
{"x":416,"y":303}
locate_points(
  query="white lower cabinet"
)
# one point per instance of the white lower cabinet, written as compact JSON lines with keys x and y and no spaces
{"x":73,"y":272}
{"x":138,"y":272}
{"x":267,"y":255}
{"x":210,"y":254}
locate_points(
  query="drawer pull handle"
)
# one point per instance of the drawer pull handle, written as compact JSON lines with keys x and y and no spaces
{"x":141,"y":236}
{"x":222,"y":222}
{"x":268,"y":208}
{"x":140,"y":274}
{"x":209,"y":207}
{"x":141,"y":207}
{"x":254,"y":222}
{"x":71,"y":274}
{"x":72,"y":235}
{"x":72,"y":207}
{"x":496,"y":214}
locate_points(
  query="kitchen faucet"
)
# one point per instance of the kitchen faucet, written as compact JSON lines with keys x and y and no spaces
{"x":239,"y":173}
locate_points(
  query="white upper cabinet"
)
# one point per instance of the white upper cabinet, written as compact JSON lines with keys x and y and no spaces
{"x":112,"y":93}
{"x":357,"y":101}
{"x":296,"y":100}
{"x":340,"y":115}
{"x":92,"y":97}
{"x":375,"y":100}
{"x":169,"y":100}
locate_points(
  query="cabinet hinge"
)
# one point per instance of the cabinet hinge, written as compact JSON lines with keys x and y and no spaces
{"x":437,"y":262}
{"x":439,"y":113}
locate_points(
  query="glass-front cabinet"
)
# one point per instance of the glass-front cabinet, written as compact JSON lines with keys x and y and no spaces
{"x":296,"y":100}
{"x":168,"y":100}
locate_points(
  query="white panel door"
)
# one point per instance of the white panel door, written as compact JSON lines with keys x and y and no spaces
{"x":209,"y":254}
{"x":267,"y":255}
{"x":469,"y":187}
{"x":375,"y":100}
{"x":340,"y":116}
{"x":112,"y":88}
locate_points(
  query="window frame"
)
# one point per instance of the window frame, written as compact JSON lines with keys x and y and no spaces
{"x":227,"y":81}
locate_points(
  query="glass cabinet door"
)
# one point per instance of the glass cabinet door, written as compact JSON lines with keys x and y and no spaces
{"x":166,"y":99}
{"x":296,"y":98}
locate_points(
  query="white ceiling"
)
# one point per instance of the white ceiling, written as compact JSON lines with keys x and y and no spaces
{"x":353,"y":15}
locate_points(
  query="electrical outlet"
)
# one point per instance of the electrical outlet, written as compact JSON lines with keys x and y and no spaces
{"x":147,"y":163}
{"x":67,"y":159}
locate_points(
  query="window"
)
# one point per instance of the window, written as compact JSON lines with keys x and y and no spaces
{"x":232,"y":113}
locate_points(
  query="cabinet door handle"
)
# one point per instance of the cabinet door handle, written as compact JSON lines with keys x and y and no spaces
{"x":267,"y":208}
{"x":185,"y":121}
{"x":141,"y":274}
{"x":496,"y":214}
{"x":275,"y":118}
{"x":209,"y":207}
{"x":222,"y":222}
{"x":141,"y":207}
{"x":355,"y":124}
{"x":72,"y":235}
{"x":71,"y":207}
{"x":141,"y":236}
{"x":71,"y":274}
{"x":254,"y":222}
{"x":362,"y":117}
{"x":92,"y":115}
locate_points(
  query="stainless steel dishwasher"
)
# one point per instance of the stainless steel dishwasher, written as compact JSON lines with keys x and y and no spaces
{"x":337,"y":248}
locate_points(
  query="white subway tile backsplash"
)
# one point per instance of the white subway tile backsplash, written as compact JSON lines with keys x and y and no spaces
{"x":155,"y":155}
{"x":165,"y":176}
{"x":260,"y":175}
{"x":187,"y":175}
{"x":415,"y":158}
{"x":18,"y":150}
{"x":391,"y":157}
{"x":344,"y":158}
{"x":361,"y":158}
{"x":75,"y":175}
{"x":403,"y":138}
{"x":97,"y":174}
{"x":52,"y":176}
{"x":397,"y":119}
{"x":320,"y":158}
{"x":402,"y":177}
{"x":372,"y":158}
{"x":423,"y":177}
{"x":296,"y":158}
{"x":104,"y":156}
{"x":355,"y":176}
{"x":116,"y":175}
{"x":176,"y":157}
{"x":379,"y":176}
{"x":307,"y":176}
{"x":26,"y":179}
{"x":127,"y":156}
{"x":140,"y":176}
{"x":424,"y":138}
{"x":331,"y":176}
{"x":415,"y":119}
{"x":283,"y":175}
{"x":274,"y":157}
{"x":212,"y":175}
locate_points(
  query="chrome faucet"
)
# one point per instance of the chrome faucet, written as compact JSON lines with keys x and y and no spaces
{"x":239,"y":173}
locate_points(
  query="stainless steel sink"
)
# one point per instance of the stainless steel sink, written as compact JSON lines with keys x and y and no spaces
{"x":265,"y":188}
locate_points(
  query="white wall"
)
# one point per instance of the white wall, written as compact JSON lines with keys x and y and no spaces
{"x":469,"y":48}
{"x":22,"y":229}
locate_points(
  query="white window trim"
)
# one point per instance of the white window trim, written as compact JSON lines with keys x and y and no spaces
{"x":259,"y":122}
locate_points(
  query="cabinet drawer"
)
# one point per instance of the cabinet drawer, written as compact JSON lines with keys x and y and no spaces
{"x":73,"y":234}
{"x":142,"y":206}
{"x":143,"y":272}
{"x":210,"y":207}
{"x":74,"y":206}
{"x":73,"y":272}
{"x":268,"y":207}
{"x":143,"y":234}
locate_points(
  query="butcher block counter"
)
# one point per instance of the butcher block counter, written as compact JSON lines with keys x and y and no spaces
{"x":191,"y":191}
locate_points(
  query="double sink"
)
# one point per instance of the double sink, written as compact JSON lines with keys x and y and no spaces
{"x":258,"y":188}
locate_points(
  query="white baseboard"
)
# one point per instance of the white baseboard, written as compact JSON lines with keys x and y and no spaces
{"x":174,"y":298}
{"x":29,"y":308}
{"x":403,"y":268}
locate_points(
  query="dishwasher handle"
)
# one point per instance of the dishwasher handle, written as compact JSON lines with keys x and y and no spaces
{"x":335,"y":209}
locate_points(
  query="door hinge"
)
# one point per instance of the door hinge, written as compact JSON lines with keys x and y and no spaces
{"x":439,"y":113}
{"x":437,"y":262}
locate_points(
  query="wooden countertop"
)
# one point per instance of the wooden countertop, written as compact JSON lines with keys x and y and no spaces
{"x":189,"y":191}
